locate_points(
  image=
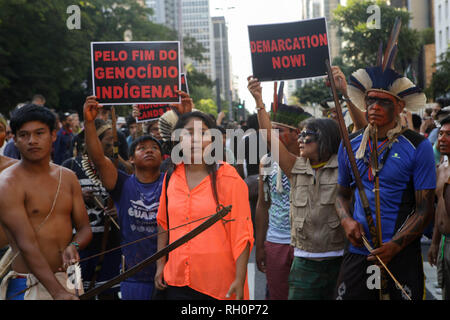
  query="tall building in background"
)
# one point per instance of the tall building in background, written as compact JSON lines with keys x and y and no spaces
{"x":421,"y":12}
{"x":441,"y":26}
{"x":324,"y":8}
{"x":421,"y":70}
{"x":196,"y":23}
{"x":316,"y":9}
{"x":222,"y":58}
{"x":189,"y":18}
{"x":165,"y":12}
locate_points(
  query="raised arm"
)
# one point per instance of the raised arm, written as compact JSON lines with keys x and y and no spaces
{"x":17,"y":226}
{"x":286,"y":159}
{"x":106,"y":169}
{"x":358,"y":116}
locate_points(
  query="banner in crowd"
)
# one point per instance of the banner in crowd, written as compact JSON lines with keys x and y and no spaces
{"x":294,"y":50}
{"x":135,"y":72}
{"x":154,"y":111}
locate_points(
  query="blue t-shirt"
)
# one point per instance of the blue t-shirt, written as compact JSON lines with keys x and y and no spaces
{"x":137,"y":205}
{"x":408,"y":167}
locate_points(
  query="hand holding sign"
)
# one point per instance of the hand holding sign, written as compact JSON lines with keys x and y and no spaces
{"x":90,"y":108}
{"x":254,"y":86}
{"x":339,"y":79}
{"x":148,"y":112}
{"x":186,"y":104}
{"x":136,"y":112}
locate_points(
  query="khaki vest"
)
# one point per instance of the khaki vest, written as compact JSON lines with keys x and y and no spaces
{"x":315,"y":225}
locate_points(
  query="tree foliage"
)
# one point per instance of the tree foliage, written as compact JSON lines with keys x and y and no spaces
{"x":39,"y":54}
{"x":200,"y":86}
{"x":313,"y":92}
{"x":440,"y":83}
{"x":361,"y":42}
{"x":207,"y":106}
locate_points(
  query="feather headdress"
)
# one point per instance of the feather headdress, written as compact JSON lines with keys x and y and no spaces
{"x":290,"y":116}
{"x":384,"y":78}
{"x":167,"y":122}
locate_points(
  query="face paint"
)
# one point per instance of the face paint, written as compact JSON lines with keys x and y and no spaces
{"x":380,"y":108}
{"x":283,"y":133}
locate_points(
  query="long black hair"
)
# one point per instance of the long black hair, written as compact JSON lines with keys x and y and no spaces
{"x":209,"y":122}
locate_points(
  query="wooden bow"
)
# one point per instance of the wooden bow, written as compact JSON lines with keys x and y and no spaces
{"x":161,"y":253}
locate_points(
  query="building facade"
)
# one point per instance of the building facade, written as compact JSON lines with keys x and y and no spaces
{"x":222,"y":58}
{"x":312,"y":9}
{"x":441,"y":26}
{"x":190,"y":18}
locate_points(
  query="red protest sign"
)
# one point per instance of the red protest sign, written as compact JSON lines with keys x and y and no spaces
{"x":136,"y":72}
{"x":153,"y":111}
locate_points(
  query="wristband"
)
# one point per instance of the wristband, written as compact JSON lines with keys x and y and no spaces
{"x":262,"y":107}
{"x":76,"y":245}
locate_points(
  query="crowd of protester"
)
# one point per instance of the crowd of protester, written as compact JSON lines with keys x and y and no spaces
{"x":128,"y":196}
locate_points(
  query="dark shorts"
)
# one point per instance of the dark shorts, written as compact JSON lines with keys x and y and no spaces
{"x":355,"y":279}
{"x":136,"y":290}
{"x":313,"y":280}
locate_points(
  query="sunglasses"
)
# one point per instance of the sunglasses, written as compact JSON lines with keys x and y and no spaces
{"x":308,"y":133}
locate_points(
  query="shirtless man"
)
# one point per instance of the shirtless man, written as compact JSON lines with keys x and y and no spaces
{"x":40,"y":204}
{"x":5,"y":162}
{"x":442,"y":217}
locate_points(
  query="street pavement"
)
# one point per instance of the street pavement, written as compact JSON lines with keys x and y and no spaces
{"x":257,"y":280}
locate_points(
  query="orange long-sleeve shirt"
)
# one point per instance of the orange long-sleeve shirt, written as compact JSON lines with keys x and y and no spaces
{"x":207,"y":263}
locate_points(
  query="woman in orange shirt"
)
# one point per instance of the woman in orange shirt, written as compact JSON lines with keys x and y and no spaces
{"x":212,"y":265}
